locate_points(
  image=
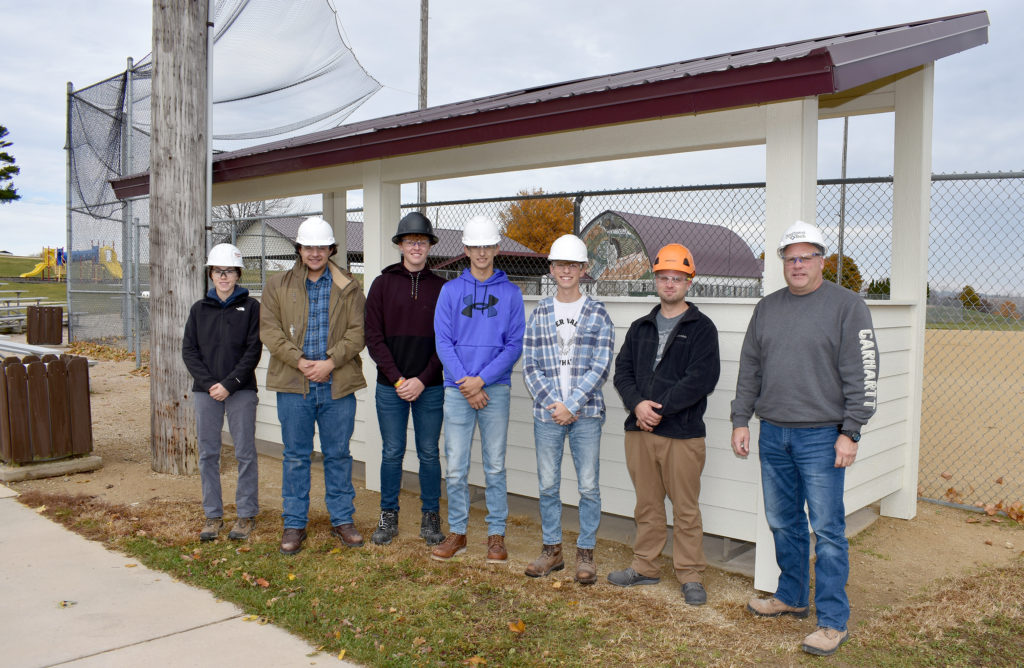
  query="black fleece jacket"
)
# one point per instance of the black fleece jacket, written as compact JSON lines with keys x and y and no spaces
{"x":222,"y":342}
{"x":685,"y":376}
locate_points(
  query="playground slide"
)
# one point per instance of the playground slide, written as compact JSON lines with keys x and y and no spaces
{"x":114,"y":267}
{"x":39,"y":268}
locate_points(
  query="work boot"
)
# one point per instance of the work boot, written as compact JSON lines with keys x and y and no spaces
{"x":242,"y":529}
{"x":496,"y":553}
{"x":773,"y":607}
{"x":586,"y":571}
{"x":824,"y":641}
{"x":291,"y":540}
{"x":387,"y":527}
{"x":348,"y":534}
{"x":211,"y":528}
{"x":550,"y":559}
{"x":453,"y":545}
{"x":430,"y":528}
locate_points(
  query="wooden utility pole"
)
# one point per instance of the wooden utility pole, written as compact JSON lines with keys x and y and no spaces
{"x":177,"y":217}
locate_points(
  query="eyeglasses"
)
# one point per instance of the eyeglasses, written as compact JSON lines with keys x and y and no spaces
{"x":794,"y":260}
{"x":672,"y":279}
{"x":418,"y":243}
{"x":223,"y":272}
{"x":564,"y":264}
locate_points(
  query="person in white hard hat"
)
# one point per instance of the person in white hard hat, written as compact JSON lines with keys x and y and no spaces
{"x":221,"y":348}
{"x":567,"y":355}
{"x":809,"y":369}
{"x":312,"y":323}
{"x":479,"y":324}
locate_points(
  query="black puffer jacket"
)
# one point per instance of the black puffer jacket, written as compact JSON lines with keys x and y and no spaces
{"x":685,"y":376}
{"x":222,"y":342}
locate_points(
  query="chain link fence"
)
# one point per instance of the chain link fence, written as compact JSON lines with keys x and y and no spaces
{"x":971,"y":452}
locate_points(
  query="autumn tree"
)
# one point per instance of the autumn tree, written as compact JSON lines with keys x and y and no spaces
{"x":851,"y":273}
{"x":535,"y":223}
{"x":1009,"y":310}
{"x":971,"y":300}
{"x":8,"y":170}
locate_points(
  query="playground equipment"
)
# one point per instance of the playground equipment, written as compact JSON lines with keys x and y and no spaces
{"x":104,"y":257}
{"x":54,"y":264}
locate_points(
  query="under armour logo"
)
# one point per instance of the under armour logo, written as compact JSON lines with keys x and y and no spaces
{"x":487,"y":306}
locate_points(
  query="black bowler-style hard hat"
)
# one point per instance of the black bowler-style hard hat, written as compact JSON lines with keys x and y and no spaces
{"x":414,"y":223}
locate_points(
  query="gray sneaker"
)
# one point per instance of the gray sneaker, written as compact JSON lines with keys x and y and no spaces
{"x":211,"y":528}
{"x":242,"y":529}
{"x":387,"y":527}
{"x":694,"y":593}
{"x":627,"y":577}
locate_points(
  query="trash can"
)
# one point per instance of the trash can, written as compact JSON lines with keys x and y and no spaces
{"x":44,"y":325}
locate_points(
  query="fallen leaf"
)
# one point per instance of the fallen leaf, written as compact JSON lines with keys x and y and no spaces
{"x":263,"y":621}
{"x":392,"y":610}
{"x":517,"y":626}
{"x":272,"y":601}
{"x":418,"y":640}
{"x":1008,"y":545}
{"x":250,"y":618}
{"x":475,"y":661}
{"x":988,"y":542}
{"x":557,"y":584}
{"x":66,"y":604}
{"x":973,"y":520}
{"x":130,"y":565}
{"x":995,"y":520}
{"x":244,"y":548}
{"x":999,"y":480}
{"x":291,"y":576}
{"x":341,"y":655}
{"x":990,"y":509}
{"x":41,"y":509}
{"x":336,"y":550}
{"x":337,"y":635}
{"x":262,"y":582}
{"x":946,"y":475}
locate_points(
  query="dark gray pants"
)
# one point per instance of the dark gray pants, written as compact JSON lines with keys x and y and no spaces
{"x":241,"y":411}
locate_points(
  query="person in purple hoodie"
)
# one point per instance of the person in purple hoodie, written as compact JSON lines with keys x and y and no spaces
{"x":400,"y":338}
{"x":479,"y":324}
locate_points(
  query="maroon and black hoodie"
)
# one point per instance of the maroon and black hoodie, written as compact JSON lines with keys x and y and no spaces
{"x":399,"y":325}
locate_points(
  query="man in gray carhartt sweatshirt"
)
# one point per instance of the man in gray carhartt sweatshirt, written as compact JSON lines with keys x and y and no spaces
{"x":809,"y":369}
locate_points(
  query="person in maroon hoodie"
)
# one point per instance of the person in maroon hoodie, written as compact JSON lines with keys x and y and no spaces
{"x":400,"y":339}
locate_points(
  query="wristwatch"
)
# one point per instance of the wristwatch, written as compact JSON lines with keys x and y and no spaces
{"x":850,"y":434}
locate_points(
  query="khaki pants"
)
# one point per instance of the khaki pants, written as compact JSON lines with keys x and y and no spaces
{"x":660,"y":466}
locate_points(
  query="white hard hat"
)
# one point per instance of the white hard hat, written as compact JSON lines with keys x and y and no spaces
{"x":480,"y":231}
{"x":802,"y":233}
{"x":224,"y":255}
{"x":315,"y":231}
{"x":568,"y":247}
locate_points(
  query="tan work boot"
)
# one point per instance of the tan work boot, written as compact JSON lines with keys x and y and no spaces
{"x":453,"y":545}
{"x":211,"y":527}
{"x":550,"y":559}
{"x":586,"y":571}
{"x":773,"y":607}
{"x":242,"y":529}
{"x":824,"y":641}
{"x":496,"y":552}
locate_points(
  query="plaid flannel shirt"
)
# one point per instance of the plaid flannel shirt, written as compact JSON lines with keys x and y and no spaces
{"x":314,"y":347}
{"x":591,"y":362}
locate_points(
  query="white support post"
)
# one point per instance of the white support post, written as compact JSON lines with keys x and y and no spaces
{"x":381,"y":211}
{"x":791,"y":171}
{"x":912,"y":180}
{"x":335,"y":204}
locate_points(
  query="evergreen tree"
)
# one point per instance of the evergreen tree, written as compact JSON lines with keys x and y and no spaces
{"x":8,"y":193}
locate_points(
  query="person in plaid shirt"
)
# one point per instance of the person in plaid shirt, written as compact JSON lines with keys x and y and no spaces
{"x":567,"y":354}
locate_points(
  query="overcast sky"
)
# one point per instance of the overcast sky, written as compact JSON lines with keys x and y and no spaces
{"x":479,"y":48}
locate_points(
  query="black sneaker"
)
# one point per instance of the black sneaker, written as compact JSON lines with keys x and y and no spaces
{"x":627,"y":577}
{"x":430,"y":528}
{"x":387,"y":527}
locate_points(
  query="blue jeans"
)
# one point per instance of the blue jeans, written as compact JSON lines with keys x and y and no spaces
{"x":585,"y":446}
{"x":798,"y":466}
{"x":298,"y":414}
{"x":241,"y":409}
{"x":393,"y":415}
{"x":460,"y":420}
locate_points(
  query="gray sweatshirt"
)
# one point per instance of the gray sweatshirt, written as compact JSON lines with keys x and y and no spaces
{"x":808,"y":361}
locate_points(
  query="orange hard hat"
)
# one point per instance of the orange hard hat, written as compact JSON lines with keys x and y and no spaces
{"x":675,"y":257}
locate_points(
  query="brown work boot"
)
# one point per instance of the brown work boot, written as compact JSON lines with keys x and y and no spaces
{"x":451,"y":546}
{"x":242,"y":529}
{"x":550,"y":559}
{"x":348,"y":534}
{"x":496,"y":553}
{"x":211,"y":527}
{"x":773,"y":607}
{"x":291,"y":540}
{"x":824,"y":641}
{"x":586,"y":571}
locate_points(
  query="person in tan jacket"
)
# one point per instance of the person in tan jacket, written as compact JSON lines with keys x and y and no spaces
{"x":311,"y":320}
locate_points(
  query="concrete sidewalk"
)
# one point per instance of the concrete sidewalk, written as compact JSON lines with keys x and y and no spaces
{"x":121,"y":616}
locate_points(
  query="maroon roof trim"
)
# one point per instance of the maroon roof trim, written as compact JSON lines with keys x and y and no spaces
{"x":799,"y":69}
